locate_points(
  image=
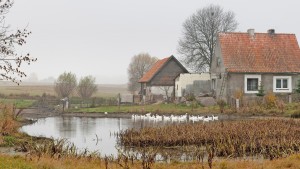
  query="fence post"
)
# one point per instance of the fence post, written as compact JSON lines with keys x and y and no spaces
{"x":237,"y":103}
{"x":290,"y":98}
{"x":119,"y":101}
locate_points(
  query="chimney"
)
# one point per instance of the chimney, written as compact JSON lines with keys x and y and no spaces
{"x":271,"y":31}
{"x":251,"y":32}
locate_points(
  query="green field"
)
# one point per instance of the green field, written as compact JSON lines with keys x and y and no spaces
{"x":19,"y":103}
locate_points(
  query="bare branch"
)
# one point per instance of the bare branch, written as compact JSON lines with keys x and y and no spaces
{"x":10,"y":62}
{"x":200,"y":35}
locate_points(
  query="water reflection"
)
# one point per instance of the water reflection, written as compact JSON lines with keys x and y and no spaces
{"x":83,"y":132}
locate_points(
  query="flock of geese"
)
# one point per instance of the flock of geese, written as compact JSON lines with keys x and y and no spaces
{"x":174,"y":118}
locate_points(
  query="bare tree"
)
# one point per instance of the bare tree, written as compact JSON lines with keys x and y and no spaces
{"x":65,"y":84}
{"x":86,"y":87}
{"x":138,"y":66}
{"x":166,"y":90}
{"x":10,"y":61}
{"x":200,"y":35}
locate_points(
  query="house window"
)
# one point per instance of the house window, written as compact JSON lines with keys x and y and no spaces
{"x":252,"y":83}
{"x":282,"y":84}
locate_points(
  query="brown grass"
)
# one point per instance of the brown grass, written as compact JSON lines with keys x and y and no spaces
{"x":292,"y":162}
{"x":272,"y":138}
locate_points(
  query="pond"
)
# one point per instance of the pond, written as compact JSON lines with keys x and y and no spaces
{"x":95,"y":134}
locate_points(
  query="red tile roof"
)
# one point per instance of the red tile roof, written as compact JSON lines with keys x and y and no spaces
{"x":154,"y":69}
{"x":262,"y":53}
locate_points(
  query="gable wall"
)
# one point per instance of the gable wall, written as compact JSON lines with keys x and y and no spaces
{"x":217,"y":70}
{"x":166,"y":76}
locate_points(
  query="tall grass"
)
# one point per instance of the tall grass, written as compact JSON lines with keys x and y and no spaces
{"x":8,"y":125}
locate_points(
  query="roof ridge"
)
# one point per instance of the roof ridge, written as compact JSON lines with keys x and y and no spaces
{"x":256,"y":33}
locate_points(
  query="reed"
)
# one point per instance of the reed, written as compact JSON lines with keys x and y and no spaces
{"x":271,"y":138}
{"x":55,"y":148}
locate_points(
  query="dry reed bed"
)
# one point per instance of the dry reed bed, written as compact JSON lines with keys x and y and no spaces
{"x":271,"y":138}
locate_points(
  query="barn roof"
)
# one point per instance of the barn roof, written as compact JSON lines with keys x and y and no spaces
{"x":260,"y":52}
{"x":157,"y":67}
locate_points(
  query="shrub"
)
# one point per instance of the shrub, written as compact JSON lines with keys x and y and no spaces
{"x":261,"y":91}
{"x":7,"y":123}
{"x":221,"y":103}
{"x":270,"y":100}
{"x":296,"y":114}
{"x":190,"y":97}
{"x":238,"y":94}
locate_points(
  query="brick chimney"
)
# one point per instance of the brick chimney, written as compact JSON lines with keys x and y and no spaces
{"x":251,"y":32}
{"x":271,"y":31}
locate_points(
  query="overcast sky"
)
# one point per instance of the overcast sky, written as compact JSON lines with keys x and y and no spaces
{"x":99,"y":37}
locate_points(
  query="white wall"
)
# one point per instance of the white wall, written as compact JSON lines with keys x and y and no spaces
{"x":188,"y":79}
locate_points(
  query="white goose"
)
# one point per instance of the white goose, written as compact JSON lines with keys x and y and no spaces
{"x":207,"y":119}
{"x":215,"y":117}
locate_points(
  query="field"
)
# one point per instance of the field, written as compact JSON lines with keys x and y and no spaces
{"x":32,"y":89}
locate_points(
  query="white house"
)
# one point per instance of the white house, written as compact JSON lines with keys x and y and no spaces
{"x":186,"y":81}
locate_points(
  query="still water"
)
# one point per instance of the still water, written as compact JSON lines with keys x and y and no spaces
{"x":83,"y":131}
{"x":93,"y":134}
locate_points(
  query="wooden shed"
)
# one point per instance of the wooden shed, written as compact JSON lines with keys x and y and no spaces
{"x":162,"y":73}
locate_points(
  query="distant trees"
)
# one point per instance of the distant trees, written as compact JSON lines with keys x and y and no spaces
{"x":10,"y":61}
{"x":65,"y":84}
{"x":86,"y":87}
{"x":138,"y":66}
{"x":200,"y":35}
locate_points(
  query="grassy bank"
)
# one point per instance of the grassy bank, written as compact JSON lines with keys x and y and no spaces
{"x":154,"y":108}
{"x":287,"y":111}
{"x":18,"y":103}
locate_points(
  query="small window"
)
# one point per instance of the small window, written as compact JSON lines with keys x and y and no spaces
{"x":252,"y":83}
{"x":213,"y":84}
{"x":282,"y":84}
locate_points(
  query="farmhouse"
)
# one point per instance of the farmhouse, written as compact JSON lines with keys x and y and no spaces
{"x":163,"y":74}
{"x":248,"y":62}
